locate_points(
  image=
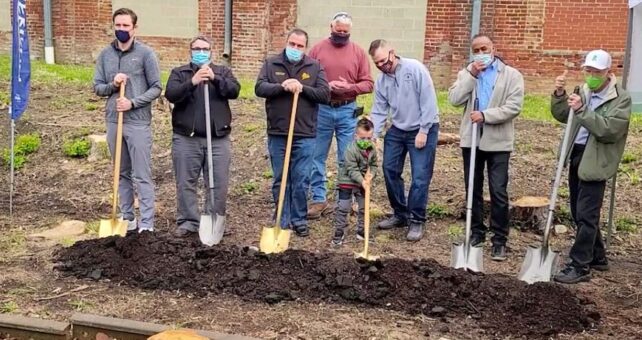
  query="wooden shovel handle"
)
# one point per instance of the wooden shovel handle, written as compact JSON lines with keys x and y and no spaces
{"x":119,"y":145}
{"x":286,"y":161}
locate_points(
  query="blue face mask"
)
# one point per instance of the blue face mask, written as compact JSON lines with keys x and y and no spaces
{"x":293,"y":54}
{"x":485,"y":58}
{"x":200,"y":58}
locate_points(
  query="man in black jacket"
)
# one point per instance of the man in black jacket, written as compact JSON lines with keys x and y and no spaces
{"x":281,"y":76}
{"x":185,"y":89}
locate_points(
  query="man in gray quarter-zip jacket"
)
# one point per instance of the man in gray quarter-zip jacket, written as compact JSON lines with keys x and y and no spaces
{"x":127,"y":62}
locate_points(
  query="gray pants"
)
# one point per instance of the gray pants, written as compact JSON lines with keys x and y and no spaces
{"x":135,"y":168}
{"x":344,"y":207}
{"x":189,"y":155}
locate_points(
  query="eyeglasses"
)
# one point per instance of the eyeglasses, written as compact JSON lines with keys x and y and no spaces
{"x":200,"y":49}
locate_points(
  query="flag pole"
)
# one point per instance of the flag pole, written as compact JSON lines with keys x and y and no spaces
{"x":11,"y":181}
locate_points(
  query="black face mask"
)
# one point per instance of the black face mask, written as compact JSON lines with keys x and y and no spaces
{"x":387,"y":66}
{"x":122,"y":36}
{"x":339,"y":39}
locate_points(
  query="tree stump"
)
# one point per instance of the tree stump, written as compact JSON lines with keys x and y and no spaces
{"x":529,"y":213}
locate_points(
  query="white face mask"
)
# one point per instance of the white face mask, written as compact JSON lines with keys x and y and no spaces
{"x":485,"y":58}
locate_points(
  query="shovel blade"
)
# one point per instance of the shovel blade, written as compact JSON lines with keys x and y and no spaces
{"x":210,"y":230}
{"x":473,"y":262}
{"x":539,"y":265}
{"x":112,"y":227}
{"x":274,"y":240}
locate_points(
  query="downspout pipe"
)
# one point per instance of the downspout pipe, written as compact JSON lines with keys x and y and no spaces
{"x":49,"y":47}
{"x":627,"y":52}
{"x":475,"y":23}
{"x":227,"y":45}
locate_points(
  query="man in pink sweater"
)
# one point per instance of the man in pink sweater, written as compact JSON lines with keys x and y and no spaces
{"x":348,"y":72}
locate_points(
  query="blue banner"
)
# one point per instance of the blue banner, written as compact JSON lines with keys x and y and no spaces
{"x":20,"y":63}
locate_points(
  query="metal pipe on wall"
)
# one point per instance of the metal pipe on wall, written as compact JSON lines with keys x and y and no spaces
{"x":475,"y":22}
{"x":49,"y":47}
{"x":227,"y":45}
{"x":627,"y":52}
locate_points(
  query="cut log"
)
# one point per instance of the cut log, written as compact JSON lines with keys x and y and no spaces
{"x":99,"y":148}
{"x":446,"y":138}
{"x":529,"y":213}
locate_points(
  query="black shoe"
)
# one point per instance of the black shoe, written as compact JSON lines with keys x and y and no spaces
{"x":477,"y":239}
{"x":302,"y":231}
{"x":498,"y":253}
{"x":573,"y":274}
{"x":361,"y":235}
{"x":337,"y":239}
{"x":600,"y":264}
{"x":415,"y":231}
{"x":182,"y":233}
{"x":392,"y":222}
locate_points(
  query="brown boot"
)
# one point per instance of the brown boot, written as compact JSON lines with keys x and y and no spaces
{"x":316,"y":210}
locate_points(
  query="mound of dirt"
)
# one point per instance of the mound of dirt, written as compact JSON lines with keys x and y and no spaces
{"x":501,"y":305}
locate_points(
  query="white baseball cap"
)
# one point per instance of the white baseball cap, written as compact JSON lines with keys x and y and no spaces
{"x":598,"y":59}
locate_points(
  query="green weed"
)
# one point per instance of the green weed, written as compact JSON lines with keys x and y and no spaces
{"x":76,"y":147}
{"x":627,"y":225}
{"x":437,"y":211}
{"x":8,"y":307}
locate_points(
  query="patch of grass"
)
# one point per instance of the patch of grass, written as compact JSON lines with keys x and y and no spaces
{"x":629,"y":157}
{"x":58,"y":73}
{"x":76,"y":147}
{"x":13,"y":242}
{"x":249,"y":187}
{"x":437,"y":211}
{"x":27,"y":144}
{"x":267,"y":174}
{"x":627,"y":225}
{"x":4,"y":98}
{"x":91,"y":106}
{"x":455,"y":231}
{"x":251,"y":127}
{"x":18,"y":160}
{"x":67,"y":242}
{"x":563,"y":215}
{"x":92,"y":227}
{"x":247,"y":89}
{"x":563,"y":192}
{"x":80,"y":305}
{"x":8,"y":307}
{"x":376,"y":213}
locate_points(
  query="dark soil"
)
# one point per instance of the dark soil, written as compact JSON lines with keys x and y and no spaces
{"x":501,"y":305}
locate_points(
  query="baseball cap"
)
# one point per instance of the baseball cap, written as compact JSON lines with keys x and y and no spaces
{"x":598,"y":59}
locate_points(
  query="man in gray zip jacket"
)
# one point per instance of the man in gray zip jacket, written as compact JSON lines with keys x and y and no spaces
{"x":127,"y":62}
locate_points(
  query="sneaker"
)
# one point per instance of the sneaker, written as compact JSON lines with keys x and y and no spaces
{"x":337,"y":240}
{"x":361,"y":234}
{"x":392,"y":222}
{"x":302,"y":231}
{"x":132,"y":225}
{"x":498,"y":253}
{"x":149,"y":229}
{"x":573,"y":274}
{"x":601,"y":265}
{"x":316,"y":210}
{"x":182,"y":232}
{"x":415,"y":231}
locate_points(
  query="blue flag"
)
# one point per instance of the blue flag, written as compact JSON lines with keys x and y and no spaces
{"x":20,"y":63}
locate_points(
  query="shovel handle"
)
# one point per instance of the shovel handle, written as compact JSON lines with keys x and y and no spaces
{"x":558,"y":173}
{"x":286,"y":161}
{"x":117,"y":153}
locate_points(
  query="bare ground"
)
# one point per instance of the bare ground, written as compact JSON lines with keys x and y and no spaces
{"x":52,"y":188}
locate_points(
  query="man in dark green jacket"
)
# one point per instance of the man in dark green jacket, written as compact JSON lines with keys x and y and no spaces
{"x":599,"y":130}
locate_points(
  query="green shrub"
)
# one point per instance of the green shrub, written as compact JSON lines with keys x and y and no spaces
{"x":77,"y":147}
{"x":27,"y":144}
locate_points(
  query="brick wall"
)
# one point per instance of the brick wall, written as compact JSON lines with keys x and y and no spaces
{"x":83,"y":27}
{"x":539,"y":37}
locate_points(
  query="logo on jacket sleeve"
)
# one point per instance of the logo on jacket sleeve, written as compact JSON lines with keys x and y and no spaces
{"x":305,"y":76}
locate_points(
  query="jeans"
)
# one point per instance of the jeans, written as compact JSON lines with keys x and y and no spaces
{"x":497,"y":163}
{"x":398,"y":143}
{"x":330,"y":121}
{"x":295,"y":205}
{"x":586,"y":203}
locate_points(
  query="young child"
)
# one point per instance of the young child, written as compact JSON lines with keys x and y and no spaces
{"x":360,"y":156}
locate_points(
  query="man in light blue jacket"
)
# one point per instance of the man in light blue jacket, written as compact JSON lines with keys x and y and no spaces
{"x":405,"y":91}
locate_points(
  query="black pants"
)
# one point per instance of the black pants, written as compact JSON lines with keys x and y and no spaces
{"x":497,"y":163}
{"x":586,"y":204}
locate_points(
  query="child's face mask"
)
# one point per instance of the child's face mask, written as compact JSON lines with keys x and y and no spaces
{"x":365,"y":143}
